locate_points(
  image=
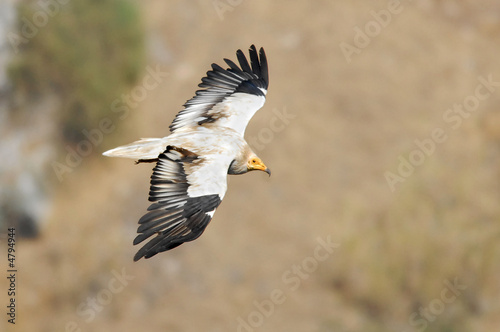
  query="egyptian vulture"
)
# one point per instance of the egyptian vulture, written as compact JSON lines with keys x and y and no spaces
{"x":205,"y":144}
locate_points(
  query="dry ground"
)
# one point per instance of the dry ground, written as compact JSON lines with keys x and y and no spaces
{"x":398,"y":250}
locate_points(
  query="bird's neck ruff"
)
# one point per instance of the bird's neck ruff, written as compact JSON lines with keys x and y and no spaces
{"x":240,"y":163}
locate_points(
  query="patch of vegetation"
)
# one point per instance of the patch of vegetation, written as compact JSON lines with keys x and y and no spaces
{"x":88,"y":53}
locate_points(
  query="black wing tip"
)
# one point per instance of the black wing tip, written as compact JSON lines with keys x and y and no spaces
{"x":258,"y":66}
{"x":220,"y":83}
{"x":252,"y":49}
{"x":195,"y":218}
{"x":148,"y":253}
{"x":263,"y":66}
{"x":258,"y":61}
{"x":153,"y":247}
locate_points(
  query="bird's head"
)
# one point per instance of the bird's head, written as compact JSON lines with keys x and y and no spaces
{"x":254,"y":163}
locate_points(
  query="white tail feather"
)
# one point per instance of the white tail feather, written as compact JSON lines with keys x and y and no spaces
{"x":145,"y":148}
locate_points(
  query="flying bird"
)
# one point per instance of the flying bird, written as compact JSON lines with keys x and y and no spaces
{"x":206,"y":143}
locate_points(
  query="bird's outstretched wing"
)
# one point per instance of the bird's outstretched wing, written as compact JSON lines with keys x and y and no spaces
{"x":185,"y":190}
{"x":230,"y":96}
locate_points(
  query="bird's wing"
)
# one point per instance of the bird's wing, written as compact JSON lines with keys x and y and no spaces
{"x":230,"y":96}
{"x":186,"y":188}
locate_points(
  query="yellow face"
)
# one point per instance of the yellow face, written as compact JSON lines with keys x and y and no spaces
{"x":255,"y":163}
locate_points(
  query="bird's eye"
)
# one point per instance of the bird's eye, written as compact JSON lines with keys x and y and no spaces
{"x":254,"y":161}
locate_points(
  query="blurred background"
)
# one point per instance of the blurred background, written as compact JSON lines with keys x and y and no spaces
{"x":381,"y":127}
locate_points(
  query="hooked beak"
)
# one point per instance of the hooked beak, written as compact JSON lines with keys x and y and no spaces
{"x":257,"y":164}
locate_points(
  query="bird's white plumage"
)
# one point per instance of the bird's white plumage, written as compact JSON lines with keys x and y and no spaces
{"x":232,"y":96}
{"x":238,"y":109}
{"x":190,"y":177}
{"x":145,"y":148}
{"x":235,"y":111}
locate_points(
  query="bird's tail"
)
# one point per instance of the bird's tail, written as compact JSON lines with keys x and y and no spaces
{"x":143,"y":149}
